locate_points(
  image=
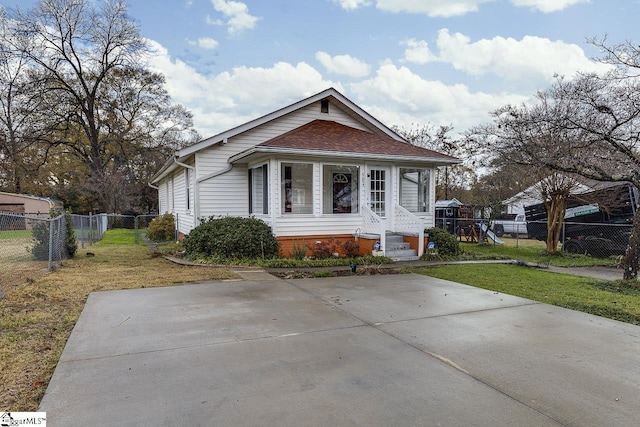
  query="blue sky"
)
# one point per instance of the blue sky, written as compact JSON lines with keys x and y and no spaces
{"x":407,"y":62}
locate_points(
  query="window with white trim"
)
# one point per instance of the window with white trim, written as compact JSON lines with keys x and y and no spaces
{"x":259,"y":190}
{"x":297,"y":188}
{"x":340,"y":189}
{"x":415,"y":185}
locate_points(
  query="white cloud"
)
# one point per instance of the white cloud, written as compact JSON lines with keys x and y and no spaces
{"x":352,"y":4}
{"x":432,"y":8}
{"x":207,"y":43}
{"x":449,"y":8}
{"x":221,"y":101}
{"x":531,"y":61}
{"x":547,"y":6}
{"x":417,"y":51}
{"x":237,"y":14}
{"x":344,"y":64}
{"x":397,"y":96}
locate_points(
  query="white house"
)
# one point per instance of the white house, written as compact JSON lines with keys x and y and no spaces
{"x":317,"y":169}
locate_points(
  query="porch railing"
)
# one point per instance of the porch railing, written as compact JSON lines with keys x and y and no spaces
{"x":405,"y":221}
{"x":375,"y":225}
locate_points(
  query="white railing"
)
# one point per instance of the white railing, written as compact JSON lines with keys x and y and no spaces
{"x":372,"y":223}
{"x":405,"y":221}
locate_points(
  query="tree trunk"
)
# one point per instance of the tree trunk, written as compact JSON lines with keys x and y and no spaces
{"x":555,"y":217}
{"x":630,"y":261}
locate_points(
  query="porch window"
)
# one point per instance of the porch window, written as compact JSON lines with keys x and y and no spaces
{"x":340,"y":189}
{"x":259,"y":190}
{"x":415,"y":185}
{"x":297,"y":188}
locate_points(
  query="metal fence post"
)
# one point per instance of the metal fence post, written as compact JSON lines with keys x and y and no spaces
{"x":50,"y":243}
{"x":135,"y":227}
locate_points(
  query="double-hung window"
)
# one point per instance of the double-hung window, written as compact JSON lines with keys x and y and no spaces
{"x":259,"y":190}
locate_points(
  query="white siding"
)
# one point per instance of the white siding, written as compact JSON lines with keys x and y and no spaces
{"x":227,"y":194}
{"x":307,"y":225}
{"x":163,"y":205}
{"x":223,"y":190}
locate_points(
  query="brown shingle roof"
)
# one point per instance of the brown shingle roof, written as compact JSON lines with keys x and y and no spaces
{"x":324,"y":135}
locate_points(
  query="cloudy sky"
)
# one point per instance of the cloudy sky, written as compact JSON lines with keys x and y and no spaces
{"x":407,"y":62}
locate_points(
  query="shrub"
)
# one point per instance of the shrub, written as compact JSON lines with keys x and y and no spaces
{"x":351,"y":248}
{"x":323,"y":250}
{"x":446,"y":243}
{"x":40,"y":233}
{"x":162,"y":228}
{"x":299,"y":250}
{"x":232,"y":237}
{"x":70,"y":242}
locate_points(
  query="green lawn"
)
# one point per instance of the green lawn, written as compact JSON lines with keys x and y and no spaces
{"x":15,"y":234}
{"x":532,"y":251}
{"x":616,"y":300}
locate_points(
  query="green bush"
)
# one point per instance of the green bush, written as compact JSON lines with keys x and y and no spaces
{"x":446,"y":243}
{"x":232,"y":238}
{"x":162,"y":228}
{"x":70,"y":242}
{"x":40,"y":232}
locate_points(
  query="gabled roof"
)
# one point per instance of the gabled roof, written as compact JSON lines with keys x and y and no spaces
{"x":332,"y":138}
{"x":336,"y":98}
{"x":327,"y":93}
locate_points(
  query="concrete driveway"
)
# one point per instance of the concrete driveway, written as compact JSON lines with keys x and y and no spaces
{"x":389,"y":350}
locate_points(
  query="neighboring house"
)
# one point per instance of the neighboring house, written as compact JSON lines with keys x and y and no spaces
{"x":28,"y":204}
{"x":531,"y":196}
{"x":317,"y":169}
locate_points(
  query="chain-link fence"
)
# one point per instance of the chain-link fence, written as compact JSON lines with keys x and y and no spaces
{"x":90,"y":228}
{"x":29,"y":246}
{"x":599,"y":240}
{"x":594,"y":239}
{"x":32,"y":245}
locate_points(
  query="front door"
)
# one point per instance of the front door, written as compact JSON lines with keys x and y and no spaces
{"x":379,"y":190}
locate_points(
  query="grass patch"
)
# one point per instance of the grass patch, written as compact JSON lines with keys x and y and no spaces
{"x":15,"y":234}
{"x":37,"y":317}
{"x":616,"y":300}
{"x":532,"y":251}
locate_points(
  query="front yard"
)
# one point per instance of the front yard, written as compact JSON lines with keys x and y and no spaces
{"x":36,"y":318}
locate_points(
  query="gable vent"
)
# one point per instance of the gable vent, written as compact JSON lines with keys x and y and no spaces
{"x":324,"y":106}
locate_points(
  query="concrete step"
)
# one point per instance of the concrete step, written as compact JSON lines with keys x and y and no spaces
{"x":400,"y":253}
{"x":398,"y":246}
{"x":394,"y":238}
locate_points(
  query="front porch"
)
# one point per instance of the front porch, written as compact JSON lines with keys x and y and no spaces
{"x":399,"y":236}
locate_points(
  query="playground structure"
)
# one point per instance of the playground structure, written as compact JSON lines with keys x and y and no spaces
{"x":460,"y":220}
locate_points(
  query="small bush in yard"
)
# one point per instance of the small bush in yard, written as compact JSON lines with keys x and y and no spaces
{"x":70,"y":242}
{"x":446,"y":243}
{"x":162,"y":228}
{"x":232,"y":238}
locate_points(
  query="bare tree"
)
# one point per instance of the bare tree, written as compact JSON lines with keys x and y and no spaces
{"x":588,"y":126}
{"x":524,"y":137}
{"x":450,"y":180}
{"x":104,"y":107}
{"x":21,"y":116}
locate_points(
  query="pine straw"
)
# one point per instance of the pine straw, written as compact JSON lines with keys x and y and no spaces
{"x":36,"y":318}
